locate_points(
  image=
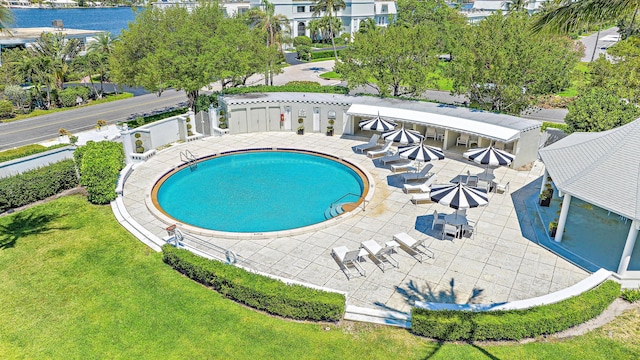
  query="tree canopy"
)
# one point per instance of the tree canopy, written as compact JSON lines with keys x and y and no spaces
{"x":597,"y":109}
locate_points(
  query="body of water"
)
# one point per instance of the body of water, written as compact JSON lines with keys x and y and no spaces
{"x":106,"y":19}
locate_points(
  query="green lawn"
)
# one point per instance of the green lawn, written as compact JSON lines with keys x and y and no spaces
{"x":74,"y":284}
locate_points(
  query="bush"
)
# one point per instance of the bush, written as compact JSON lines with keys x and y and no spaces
{"x":26,"y":150}
{"x":547,"y":124}
{"x":6,"y":109}
{"x":302,"y":41}
{"x":100,"y":164}
{"x":631,"y":295}
{"x":139,"y":121}
{"x":257,"y":291}
{"x":514,"y":324}
{"x":203,"y":101}
{"x":303,"y":52}
{"x":324,"y":54}
{"x":309,"y":87}
{"x":37,"y":184}
{"x":69,"y":95}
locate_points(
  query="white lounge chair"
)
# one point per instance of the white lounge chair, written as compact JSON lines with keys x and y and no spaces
{"x":347,"y":257}
{"x":463,"y":139}
{"x":373,"y":143}
{"x":390,"y":158}
{"x":403,"y":167}
{"x":437,"y":220}
{"x":379,"y":152}
{"x":423,"y":174}
{"x":423,"y":187}
{"x":419,"y":198}
{"x":380,"y":254}
{"x":417,"y":247}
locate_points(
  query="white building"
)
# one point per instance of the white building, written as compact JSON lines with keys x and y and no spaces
{"x":299,"y":12}
{"x":480,"y":9}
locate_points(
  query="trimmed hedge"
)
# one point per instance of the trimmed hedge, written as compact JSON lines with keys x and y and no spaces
{"x":548,"y":124}
{"x":37,"y":184}
{"x":257,"y":291}
{"x":143,"y":120}
{"x":514,"y":324}
{"x":26,"y":150}
{"x":100,"y":164}
{"x":324,"y":54}
{"x":308,"y":87}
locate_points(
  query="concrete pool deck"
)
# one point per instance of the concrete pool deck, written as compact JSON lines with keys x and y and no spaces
{"x":499,"y":264}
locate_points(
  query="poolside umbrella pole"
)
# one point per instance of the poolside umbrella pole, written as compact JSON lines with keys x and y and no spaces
{"x":421,"y":153}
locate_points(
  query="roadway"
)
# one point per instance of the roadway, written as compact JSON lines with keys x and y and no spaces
{"x":42,"y":128}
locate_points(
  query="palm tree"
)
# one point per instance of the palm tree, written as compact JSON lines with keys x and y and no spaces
{"x":6,"y":19}
{"x":329,"y":7}
{"x":59,"y":52}
{"x":99,"y":52}
{"x":367,"y":25}
{"x":567,"y":15}
{"x":274,"y":25}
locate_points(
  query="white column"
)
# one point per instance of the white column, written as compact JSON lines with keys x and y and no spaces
{"x":563,"y":217}
{"x":544,"y":180}
{"x":628,"y":247}
{"x":127,"y":143}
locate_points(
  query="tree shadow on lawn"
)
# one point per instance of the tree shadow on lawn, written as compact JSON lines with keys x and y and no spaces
{"x":23,"y":225}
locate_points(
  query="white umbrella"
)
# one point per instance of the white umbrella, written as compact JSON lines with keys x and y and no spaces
{"x":403,"y":136}
{"x":458,"y":196}
{"x":377,"y":124}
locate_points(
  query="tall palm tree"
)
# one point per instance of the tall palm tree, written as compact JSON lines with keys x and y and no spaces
{"x":59,"y":51}
{"x":329,"y":7}
{"x":6,"y":19}
{"x":274,"y":25}
{"x":567,"y":15}
{"x":98,"y":53}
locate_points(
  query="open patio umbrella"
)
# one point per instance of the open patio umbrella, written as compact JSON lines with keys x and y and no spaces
{"x":458,"y":196}
{"x":377,"y":124}
{"x":403,"y":136}
{"x":421,"y":152}
{"x":489,"y":156}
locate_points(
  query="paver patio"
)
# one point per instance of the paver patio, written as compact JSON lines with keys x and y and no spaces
{"x":498,"y":265}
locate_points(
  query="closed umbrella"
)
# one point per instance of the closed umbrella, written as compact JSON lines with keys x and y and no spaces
{"x":377,"y":124}
{"x":458,"y":196}
{"x":403,"y":136}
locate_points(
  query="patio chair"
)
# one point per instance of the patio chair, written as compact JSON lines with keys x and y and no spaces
{"x":390,"y":158}
{"x":373,"y":143}
{"x":451,"y":230}
{"x":346,"y":257}
{"x":437,"y":220}
{"x":431,"y":132}
{"x":423,"y":187}
{"x":463,"y":139}
{"x":498,"y":145}
{"x":423,"y":174}
{"x":472,"y":180}
{"x":461,"y":212}
{"x":473,"y":140}
{"x":468,"y":229}
{"x":375,"y":153}
{"x":403,"y":167}
{"x":416,"y":248}
{"x":381,"y":255}
{"x":439,"y":134}
{"x":503,"y":188}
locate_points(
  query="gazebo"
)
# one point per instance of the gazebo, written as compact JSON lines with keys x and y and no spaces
{"x":603,"y":169}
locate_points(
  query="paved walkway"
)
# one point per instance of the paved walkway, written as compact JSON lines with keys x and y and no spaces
{"x":498,"y":265}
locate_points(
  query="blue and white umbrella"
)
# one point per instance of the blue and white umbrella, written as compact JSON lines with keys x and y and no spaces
{"x":403,"y":136}
{"x":489,"y":156}
{"x":421,"y":152}
{"x":458,"y":196}
{"x":377,"y":124}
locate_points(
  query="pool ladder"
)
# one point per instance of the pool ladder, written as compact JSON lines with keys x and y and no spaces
{"x":187,"y":157}
{"x":337,"y":207}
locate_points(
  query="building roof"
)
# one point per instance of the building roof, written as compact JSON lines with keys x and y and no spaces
{"x":601,"y":168}
{"x":499,"y":127}
{"x":21,"y":36}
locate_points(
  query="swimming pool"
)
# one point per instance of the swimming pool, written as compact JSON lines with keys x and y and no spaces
{"x":256,"y":191}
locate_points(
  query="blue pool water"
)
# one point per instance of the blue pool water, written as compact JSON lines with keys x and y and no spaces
{"x":258,"y":191}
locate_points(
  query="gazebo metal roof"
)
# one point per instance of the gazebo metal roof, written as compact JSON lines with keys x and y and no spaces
{"x":601,"y":168}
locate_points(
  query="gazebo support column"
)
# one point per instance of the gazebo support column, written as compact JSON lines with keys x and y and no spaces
{"x":563,"y":217}
{"x":544,"y":180}
{"x":628,"y":247}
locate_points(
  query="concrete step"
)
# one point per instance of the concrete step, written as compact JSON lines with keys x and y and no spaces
{"x":375,"y":316}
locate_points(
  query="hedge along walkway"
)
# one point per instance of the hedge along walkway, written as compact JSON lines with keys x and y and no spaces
{"x":618,"y":307}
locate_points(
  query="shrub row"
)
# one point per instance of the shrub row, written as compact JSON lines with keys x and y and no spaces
{"x":26,"y":150}
{"x":69,"y":95}
{"x":514,"y":324}
{"x":37,"y":184}
{"x":306,"y":86}
{"x":142,"y":120}
{"x":257,"y":291}
{"x":100,"y":164}
{"x":324,"y":54}
{"x":547,"y":124}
